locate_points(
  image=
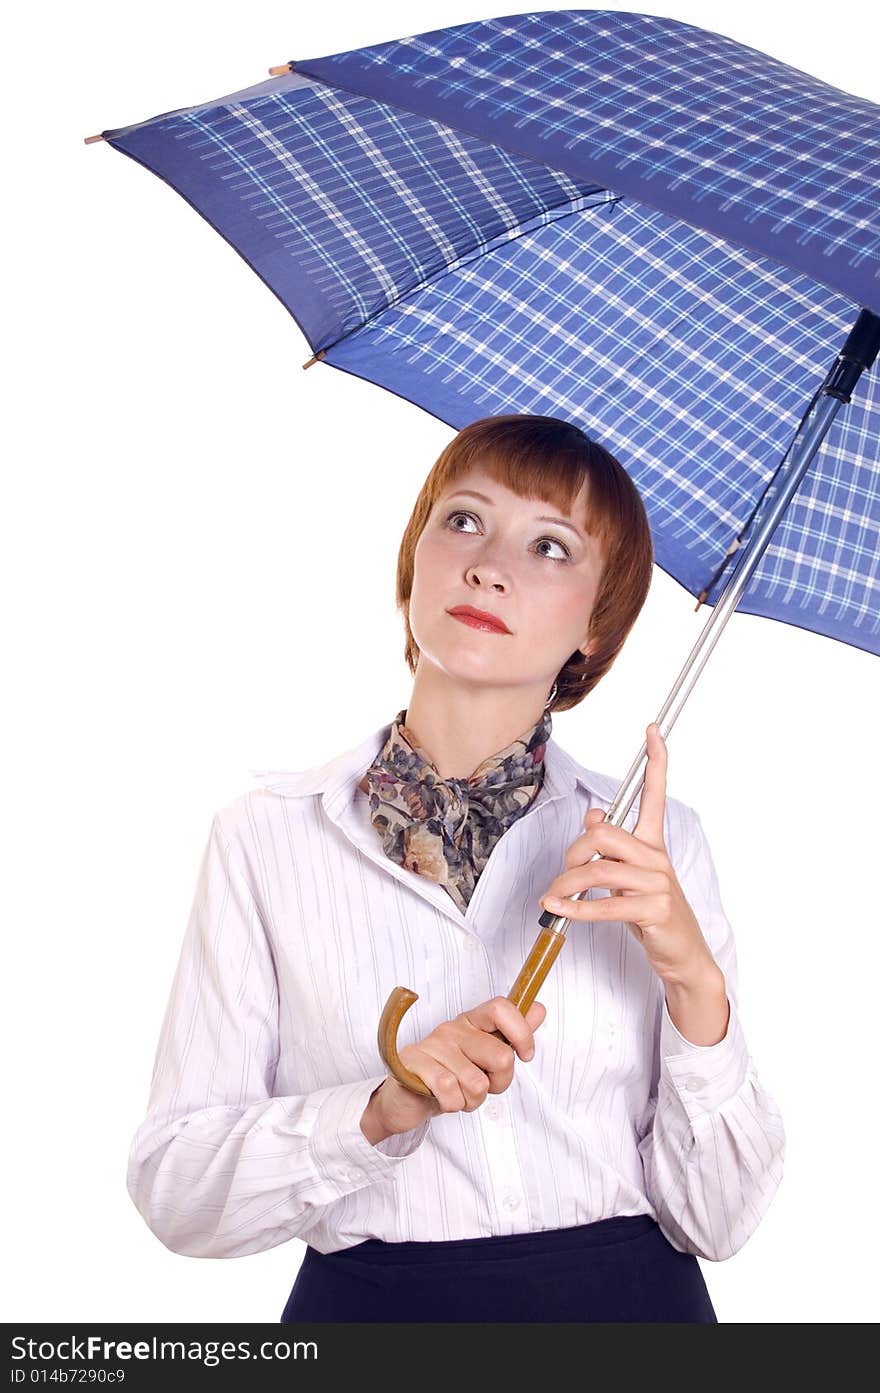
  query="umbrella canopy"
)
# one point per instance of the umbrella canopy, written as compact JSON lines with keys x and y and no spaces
{"x":618,"y":219}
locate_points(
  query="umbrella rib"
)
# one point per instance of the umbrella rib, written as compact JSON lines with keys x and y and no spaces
{"x":737,"y":541}
{"x":464,"y":258}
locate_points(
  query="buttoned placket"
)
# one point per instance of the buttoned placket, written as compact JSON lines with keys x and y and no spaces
{"x":503,"y":1173}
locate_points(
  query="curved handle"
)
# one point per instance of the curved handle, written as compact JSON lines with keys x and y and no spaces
{"x":523,"y":992}
{"x":396,"y":1008}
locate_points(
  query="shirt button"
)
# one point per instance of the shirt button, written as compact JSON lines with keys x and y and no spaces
{"x":493,"y":1111}
{"x":472,"y":945}
{"x":511,"y":1202}
{"x":694,"y":1083}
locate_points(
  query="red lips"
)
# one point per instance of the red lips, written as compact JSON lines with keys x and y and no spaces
{"x":480,"y":616}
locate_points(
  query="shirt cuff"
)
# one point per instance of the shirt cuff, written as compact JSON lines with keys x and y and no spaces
{"x":703,"y":1076}
{"x":339,"y":1148}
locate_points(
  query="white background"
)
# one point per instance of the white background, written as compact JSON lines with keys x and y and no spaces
{"x":199,"y":546}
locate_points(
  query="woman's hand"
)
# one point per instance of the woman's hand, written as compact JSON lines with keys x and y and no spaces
{"x":461,"y":1061}
{"x":645,"y":892}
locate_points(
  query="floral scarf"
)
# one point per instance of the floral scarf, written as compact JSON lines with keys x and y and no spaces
{"x":445,"y":829}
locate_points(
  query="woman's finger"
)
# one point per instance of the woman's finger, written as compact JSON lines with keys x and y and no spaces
{"x":499,"y":1013}
{"x":471,"y":1081}
{"x":603,"y":874}
{"x":615,"y":843}
{"x":634,"y":909}
{"x":440,"y":1077}
{"x":652,"y":801}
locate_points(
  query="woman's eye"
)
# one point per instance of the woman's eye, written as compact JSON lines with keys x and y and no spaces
{"x":551,"y":541}
{"x":459,"y":515}
{"x":566,"y":554}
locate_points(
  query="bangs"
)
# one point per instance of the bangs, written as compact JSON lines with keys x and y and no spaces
{"x":551,"y":462}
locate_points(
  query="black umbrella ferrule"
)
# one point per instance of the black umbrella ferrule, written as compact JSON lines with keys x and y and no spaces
{"x":857,"y":354}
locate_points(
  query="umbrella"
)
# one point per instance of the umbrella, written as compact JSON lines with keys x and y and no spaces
{"x":651,"y":230}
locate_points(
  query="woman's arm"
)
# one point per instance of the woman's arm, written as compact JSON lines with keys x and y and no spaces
{"x":713,"y":1140}
{"x":220,"y":1167}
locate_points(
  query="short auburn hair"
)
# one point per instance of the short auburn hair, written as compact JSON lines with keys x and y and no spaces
{"x":546,"y":457}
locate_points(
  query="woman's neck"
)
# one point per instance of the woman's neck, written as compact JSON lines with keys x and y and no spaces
{"x":458,"y":727}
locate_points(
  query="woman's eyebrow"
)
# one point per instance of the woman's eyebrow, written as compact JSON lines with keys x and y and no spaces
{"x":562,"y":523}
{"x":472,"y":493}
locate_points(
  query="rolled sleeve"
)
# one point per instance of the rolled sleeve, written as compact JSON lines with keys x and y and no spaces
{"x":703,"y":1076}
{"x":340,"y":1150}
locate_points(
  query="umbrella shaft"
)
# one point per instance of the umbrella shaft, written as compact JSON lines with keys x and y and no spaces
{"x":857,"y":354}
{"x":809,"y":437}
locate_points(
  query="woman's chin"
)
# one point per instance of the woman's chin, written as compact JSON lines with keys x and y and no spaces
{"x":474,"y":677}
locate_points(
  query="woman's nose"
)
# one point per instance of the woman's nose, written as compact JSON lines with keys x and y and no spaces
{"x":487,"y":573}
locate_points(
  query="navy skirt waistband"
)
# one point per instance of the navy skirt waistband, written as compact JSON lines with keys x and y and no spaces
{"x":618,"y":1269}
{"x":505,"y":1245}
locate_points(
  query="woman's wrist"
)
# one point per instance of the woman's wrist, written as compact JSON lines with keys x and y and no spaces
{"x":373,"y":1124}
{"x":700,"y":1009}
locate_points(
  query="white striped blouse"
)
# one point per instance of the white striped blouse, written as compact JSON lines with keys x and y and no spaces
{"x":301,"y":926}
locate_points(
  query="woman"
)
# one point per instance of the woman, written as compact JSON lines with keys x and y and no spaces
{"x":580,"y":1171}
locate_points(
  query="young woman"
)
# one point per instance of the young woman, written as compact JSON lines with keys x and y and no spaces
{"x":575,"y":1174}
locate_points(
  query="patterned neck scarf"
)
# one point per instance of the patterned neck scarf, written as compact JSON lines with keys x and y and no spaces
{"x":445,"y":829}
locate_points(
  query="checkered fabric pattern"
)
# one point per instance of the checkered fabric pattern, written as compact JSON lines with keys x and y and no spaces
{"x":472,"y":279}
{"x":342,"y":204}
{"x":693,"y":123}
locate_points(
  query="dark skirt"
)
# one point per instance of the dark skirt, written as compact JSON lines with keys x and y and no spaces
{"x":619,"y":1269}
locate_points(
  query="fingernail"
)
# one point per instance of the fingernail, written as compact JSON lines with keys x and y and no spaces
{"x":529,"y":1053}
{"x":552,"y":903}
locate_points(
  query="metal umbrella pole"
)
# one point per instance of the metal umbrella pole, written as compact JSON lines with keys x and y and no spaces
{"x":857,"y":355}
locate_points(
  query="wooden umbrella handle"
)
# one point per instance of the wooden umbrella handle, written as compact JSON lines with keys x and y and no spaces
{"x":544,"y":952}
{"x":396,"y":1008}
{"x":525,"y":989}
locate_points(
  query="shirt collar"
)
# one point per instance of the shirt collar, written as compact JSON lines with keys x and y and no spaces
{"x":337,"y":779}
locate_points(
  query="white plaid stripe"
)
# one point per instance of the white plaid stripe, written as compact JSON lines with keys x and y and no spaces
{"x":688,"y":106}
{"x":338,"y":174}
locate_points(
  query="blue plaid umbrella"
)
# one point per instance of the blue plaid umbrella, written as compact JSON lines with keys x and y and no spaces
{"x":618,"y":219}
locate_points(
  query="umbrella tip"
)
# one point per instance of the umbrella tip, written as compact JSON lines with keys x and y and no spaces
{"x":701,"y":600}
{"x":280,"y":70}
{"x":90,"y":139}
{"x":316,"y":358}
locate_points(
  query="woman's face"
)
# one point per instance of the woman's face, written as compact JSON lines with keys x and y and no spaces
{"x":517,"y":558}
